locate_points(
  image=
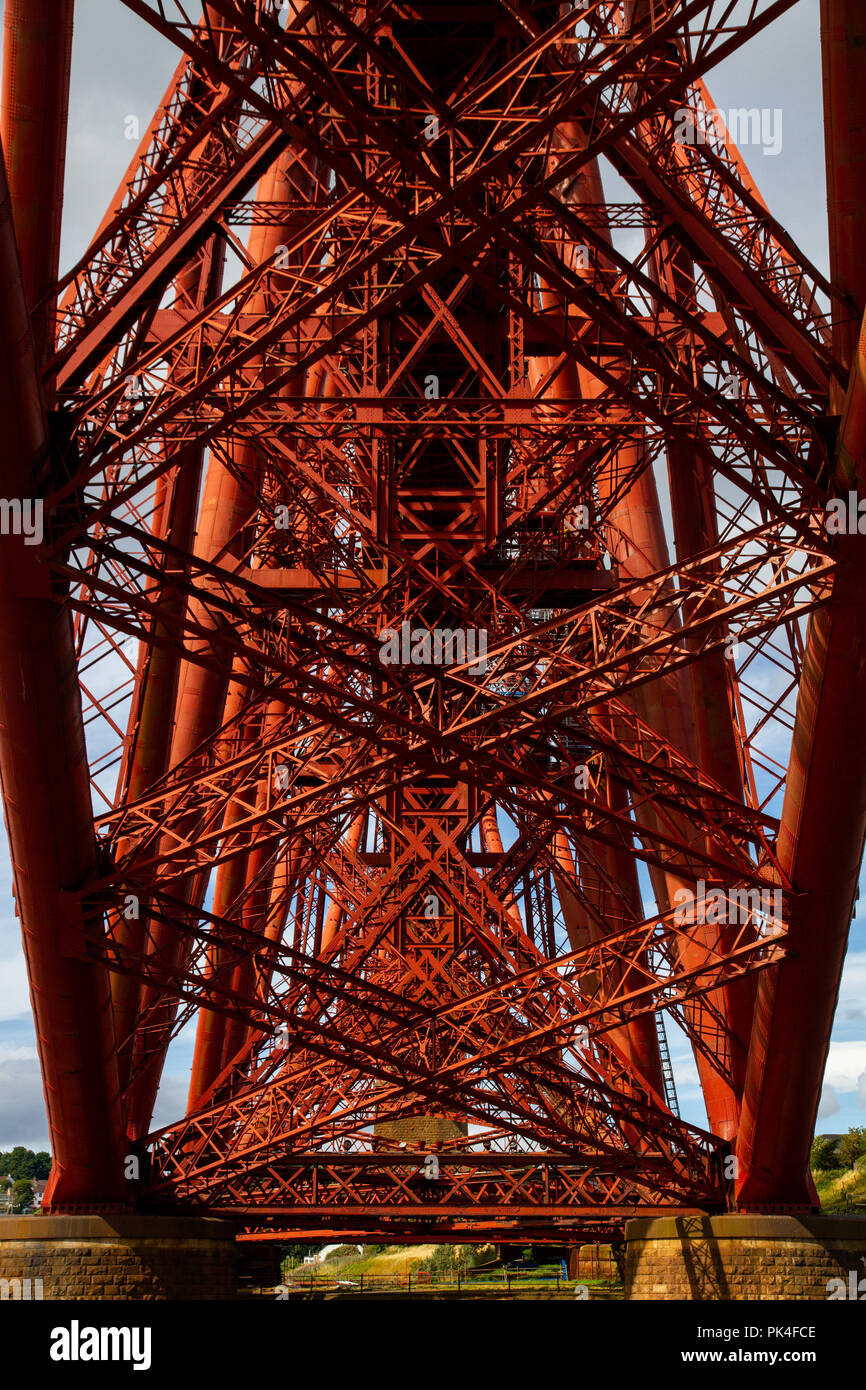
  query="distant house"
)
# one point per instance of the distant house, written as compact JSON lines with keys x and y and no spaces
{"x":37,"y":1185}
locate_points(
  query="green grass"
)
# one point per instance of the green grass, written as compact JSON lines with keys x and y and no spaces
{"x":836,"y":1185}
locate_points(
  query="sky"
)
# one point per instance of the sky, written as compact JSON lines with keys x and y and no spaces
{"x":120,"y":69}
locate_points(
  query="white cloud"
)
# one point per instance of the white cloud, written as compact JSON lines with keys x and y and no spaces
{"x":22,"y":1106}
{"x":16,"y":1052}
{"x":852,"y":991}
{"x":846,"y":1063}
{"x":171,"y":1101}
{"x":14,"y":994}
{"x":829,"y":1103}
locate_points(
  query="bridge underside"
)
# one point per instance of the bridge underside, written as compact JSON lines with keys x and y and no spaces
{"x":436,"y":677}
{"x":473,"y":1198}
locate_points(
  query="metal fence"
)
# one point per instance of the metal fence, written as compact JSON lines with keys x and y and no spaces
{"x":455,"y":1279}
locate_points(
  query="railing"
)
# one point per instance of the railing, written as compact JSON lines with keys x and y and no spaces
{"x":455,"y":1280}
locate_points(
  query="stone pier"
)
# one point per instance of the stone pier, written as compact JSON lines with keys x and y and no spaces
{"x":117,"y":1257}
{"x":716,"y":1258}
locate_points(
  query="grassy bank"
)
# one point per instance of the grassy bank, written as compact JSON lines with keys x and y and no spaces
{"x":840,"y":1188}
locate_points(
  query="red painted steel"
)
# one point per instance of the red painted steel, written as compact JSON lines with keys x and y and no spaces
{"x":43,"y":766}
{"x":820,"y":850}
{"x":424,"y":781}
{"x":824,"y":814}
{"x":37,"y":53}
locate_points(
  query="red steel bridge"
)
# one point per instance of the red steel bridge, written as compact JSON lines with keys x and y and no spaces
{"x":433,"y":668}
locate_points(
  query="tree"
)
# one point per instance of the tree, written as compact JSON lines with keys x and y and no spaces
{"x":295,"y":1253}
{"x":823,"y":1156}
{"x":24,"y":1163}
{"x":18,"y":1163}
{"x":852,"y":1146}
{"x":22,"y":1194}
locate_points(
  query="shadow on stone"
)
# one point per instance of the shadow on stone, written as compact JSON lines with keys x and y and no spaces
{"x":726,"y":1258}
{"x":701,"y":1258}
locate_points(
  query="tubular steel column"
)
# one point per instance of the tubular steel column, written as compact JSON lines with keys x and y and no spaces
{"x":637,"y":542}
{"x":824,"y":811}
{"x":820,"y":849}
{"x":46,"y":790}
{"x":226,"y":507}
{"x":37,"y":53}
{"x":843,"y":43}
{"x":151,"y":719}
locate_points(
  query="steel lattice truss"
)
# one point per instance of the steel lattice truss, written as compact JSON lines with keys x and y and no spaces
{"x":362,"y":348}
